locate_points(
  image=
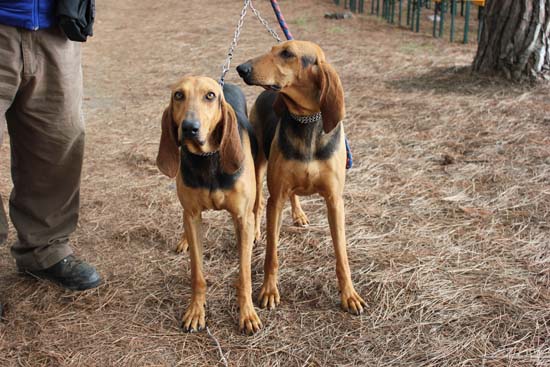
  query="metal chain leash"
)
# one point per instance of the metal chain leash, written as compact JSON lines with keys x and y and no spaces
{"x":227,"y":64}
{"x":264,"y":22}
{"x":247,"y":3}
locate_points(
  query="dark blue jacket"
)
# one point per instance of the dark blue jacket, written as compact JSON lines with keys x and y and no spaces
{"x":29,"y":14}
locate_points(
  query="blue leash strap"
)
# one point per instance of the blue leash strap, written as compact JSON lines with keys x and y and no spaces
{"x":349,"y":156}
{"x":281,"y":19}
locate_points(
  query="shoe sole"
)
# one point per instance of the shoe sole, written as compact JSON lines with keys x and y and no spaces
{"x":80,"y":287}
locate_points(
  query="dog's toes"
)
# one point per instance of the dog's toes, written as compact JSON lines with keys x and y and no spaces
{"x":300,"y":219}
{"x":273,"y":302}
{"x":257,"y":325}
{"x":353,"y":303}
{"x":249,"y":322}
{"x":269,"y":297}
{"x":194,"y":319}
{"x":247,"y":328}
{"x":182,"y":246}
{"x":355,"y":308}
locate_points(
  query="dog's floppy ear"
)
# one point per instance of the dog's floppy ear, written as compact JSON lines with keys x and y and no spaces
{"x":332,"y":96}
{"x":231,"y":151}
{"x":168,"y":155}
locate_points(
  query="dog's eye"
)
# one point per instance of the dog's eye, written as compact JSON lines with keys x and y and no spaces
{"x":178,"y":96}
{"x":286,"y":54}
{"x":210,"y":96}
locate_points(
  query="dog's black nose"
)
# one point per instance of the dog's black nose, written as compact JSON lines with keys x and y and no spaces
{"x":190,"y":128}
{"x":244,"y":70}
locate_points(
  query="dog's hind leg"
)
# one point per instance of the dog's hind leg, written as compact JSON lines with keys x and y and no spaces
{"x":298,"y":215}
{"x":183,"y":245}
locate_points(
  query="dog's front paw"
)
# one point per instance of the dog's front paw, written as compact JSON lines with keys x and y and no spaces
{"x":182,"y":246}
{"x":249,"y":322}
{"x":195,"y":318}
{"x":300,"y":218}
{"x":269,"y":295}
{"x":352,"y":302}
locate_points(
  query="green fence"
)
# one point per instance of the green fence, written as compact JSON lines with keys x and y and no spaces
{"x":408,"y":13}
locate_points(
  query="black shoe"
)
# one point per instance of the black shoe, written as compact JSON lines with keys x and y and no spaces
{"x":70,"y":273}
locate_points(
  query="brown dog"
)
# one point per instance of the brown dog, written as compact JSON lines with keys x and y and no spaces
{"x":298,"y":125}
{"x":206,"y":143}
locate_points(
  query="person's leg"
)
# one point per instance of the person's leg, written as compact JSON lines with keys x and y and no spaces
{"x":10,"y":77}
{"x":3,"y":224}
{"x":47,"y":143}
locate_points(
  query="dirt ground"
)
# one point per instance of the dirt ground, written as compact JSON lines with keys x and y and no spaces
{"x":447,"y":207}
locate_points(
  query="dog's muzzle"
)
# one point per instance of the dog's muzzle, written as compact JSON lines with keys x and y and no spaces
{"x":245,"y":71}
{"x":190,"y":129}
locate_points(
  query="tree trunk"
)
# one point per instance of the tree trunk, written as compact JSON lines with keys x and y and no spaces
{"x":515,"y":39}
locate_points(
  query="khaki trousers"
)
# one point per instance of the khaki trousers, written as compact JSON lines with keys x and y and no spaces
{"x":41,"y":100}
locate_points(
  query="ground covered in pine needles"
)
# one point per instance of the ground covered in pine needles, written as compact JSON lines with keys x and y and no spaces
{"x":447,"y":209}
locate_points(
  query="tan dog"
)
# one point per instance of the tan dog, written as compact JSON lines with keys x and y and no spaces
{"x":206,"y":144}
{"x":298,"y":125}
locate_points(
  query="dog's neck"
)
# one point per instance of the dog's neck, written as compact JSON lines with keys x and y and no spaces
{"x":306,"y":141}
{"x":308,"y":119}
{"x":301,"y":101}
